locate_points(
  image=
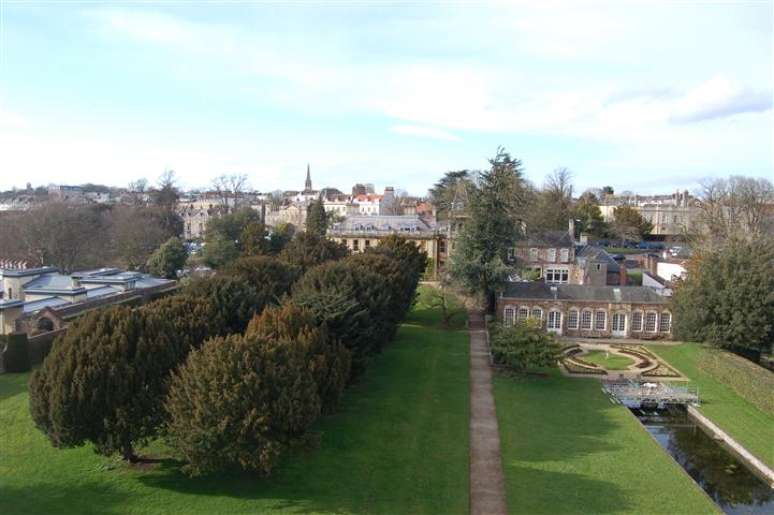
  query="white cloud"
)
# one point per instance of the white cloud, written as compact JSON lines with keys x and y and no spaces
{"x":424,"y":132}
{"x":719,"y":97}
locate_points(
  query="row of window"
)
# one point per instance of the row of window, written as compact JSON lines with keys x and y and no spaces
{"x":564,"y":255}
{"x":587,"y":318}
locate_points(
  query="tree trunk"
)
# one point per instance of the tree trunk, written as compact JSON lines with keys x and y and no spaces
{"x":128,"y":454}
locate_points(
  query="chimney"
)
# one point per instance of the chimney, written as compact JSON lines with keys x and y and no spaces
{"x":624,"y":277}
{"x":571,"y":228}
{"x":584,"y":238}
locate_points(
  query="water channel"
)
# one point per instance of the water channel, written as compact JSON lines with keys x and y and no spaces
{"x":727,"y":481}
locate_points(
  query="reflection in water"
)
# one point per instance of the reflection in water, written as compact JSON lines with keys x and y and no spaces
{"x":735,"y":489}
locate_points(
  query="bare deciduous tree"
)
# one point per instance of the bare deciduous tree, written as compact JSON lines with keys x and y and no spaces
{"x":230,"y":187}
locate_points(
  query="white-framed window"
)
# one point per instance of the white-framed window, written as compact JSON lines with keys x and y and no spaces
{"x":557,"y":275}
{"x":551,"y":255}
{"x":637,"y":321}
{"x":650,"y":321}
{"x":523,"y":313}
{"x":564,"y":255}
{"x":572,"y":319}
{"x":533,"y":254}
{"x":665,"y":324}
{"x":600,"y":320}
{"x":508,"y":316}
{"x":586,"y":319}
{"x":554,"y":320}
{"x":537,"y":313}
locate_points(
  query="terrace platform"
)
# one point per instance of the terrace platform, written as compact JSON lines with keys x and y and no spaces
{"x":650,"y":395}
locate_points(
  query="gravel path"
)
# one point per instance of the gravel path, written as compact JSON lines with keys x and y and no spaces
{"x":487,"y":491}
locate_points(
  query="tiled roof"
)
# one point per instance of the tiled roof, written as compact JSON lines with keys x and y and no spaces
{"x":538,"y":290}
{"x":598,"y":254}
{"x":549,"y":239}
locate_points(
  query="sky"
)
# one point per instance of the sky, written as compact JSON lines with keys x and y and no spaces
{"x":644,"y":96}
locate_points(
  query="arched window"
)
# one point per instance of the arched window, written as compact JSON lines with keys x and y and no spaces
{"x":45,"y":324}
{"x":650,"y":321}
{"x":665,"y":324}
{"x":508,"y":316}
{"x":523,"y":313}
{"x":586,"y":319}
{"x":537,"y":313}
{"x":637,"y":321}
{"x":554,"y":320}
{"x":600,"y":320}
{"x":572,"y":319}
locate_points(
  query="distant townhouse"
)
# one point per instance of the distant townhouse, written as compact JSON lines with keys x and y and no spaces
{"x":359,"y":233}
{"x":587,"y":311}
{"x":671,"y":215}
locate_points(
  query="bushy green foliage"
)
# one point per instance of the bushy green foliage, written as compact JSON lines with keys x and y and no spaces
{"x":399,"y":290}
{"x":16,"y":352}
{"x":223,"y":237}
{"x":307,"y":250}
{"x":524,"y":345}
{"x":234,"y":301}
{"x":412,"y":260}
{"x":168,"y":259}
{"x":254,"y":240}
{"x":589,"y":216}
{"x":238,"y":401}
{"x":727,"y":298}
{"x":270,"y":277}
{"x":280,"y":236}
{"x":103,"y":381}
{"x":328,"y":359}
{"x":354,"y":304}
{"x":316,"y":218}
{"x":628,"y":224}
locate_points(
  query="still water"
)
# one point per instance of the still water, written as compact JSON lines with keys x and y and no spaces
{"x":735,"y":489}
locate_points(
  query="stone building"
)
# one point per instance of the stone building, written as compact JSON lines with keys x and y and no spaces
{"x":359,"y":233}
{"x":671,"y":215}
{"x":39,"y":300}
{"x":588,"y":311}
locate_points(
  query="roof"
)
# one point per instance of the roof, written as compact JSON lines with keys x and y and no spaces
{"x":538,"y":290}
{"x":53,"y":283}
{"x":599,"y":255}
{"x":48,"y":302}
{"x":10,"y":303}
{"x":549,"y":239}
{"x":9,"y":272}
{"x":383,"y":224}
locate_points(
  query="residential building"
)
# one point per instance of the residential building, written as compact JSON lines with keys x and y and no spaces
{"x":359,"y":233}
{"x":671,"y":215}
{"x":549,"y":256}
{"x":40,"y":300}
{"x":587,"y":311}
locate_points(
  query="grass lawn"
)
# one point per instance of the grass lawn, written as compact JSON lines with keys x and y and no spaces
{"x":399,"y":444}
{"x":567,"y":449}
{"x":749,"y":425}
{"x":607,"y":360}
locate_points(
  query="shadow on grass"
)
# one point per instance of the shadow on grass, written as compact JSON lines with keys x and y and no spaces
{"x":13,"y":384}
{"x":544,"y":492}
{"x":44,"y":498}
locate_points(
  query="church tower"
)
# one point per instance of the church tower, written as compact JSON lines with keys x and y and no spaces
{"x":308,"y":183}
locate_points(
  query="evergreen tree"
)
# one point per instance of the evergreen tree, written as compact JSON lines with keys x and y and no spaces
{"x":354,"y":304}
{"x":524,"y":346}
{"x":234,"y":301}
{"x":168,"y":259}
{"x":264,"y":397}
{"x":496,"y":210}
{"x":328,"y":359}
{"x":629,"y":224}
{"x":316,"y":218}
{"x":307,"y":250}
{"x":589,"y":216}
{"x":254,"y":240}
{"x":727,"y":298}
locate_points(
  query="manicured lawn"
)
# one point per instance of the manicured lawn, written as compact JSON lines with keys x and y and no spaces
{"x":399,"y":444}
{"x":745,"y":422}
{"x":607,"y":360}
{"x":567,"y":449}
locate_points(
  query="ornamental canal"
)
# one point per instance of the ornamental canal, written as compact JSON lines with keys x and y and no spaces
{"x":722,"y":476}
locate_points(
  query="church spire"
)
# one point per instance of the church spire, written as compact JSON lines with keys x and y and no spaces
{"x":308,"y":183}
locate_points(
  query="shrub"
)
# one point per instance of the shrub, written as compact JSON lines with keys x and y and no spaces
{"x":413,"y":261}
{"x":234,"y":301}
{"x":103,"y":381}
{"x":328,"y":359}
{"x":16,"y":355}
{"x":354,"y":304}
{"x":306,"y":250}
{"x":168,"y":259}
{"x":238,"y":401}
{"x":270,"y":277}
{"x":523,"y":346}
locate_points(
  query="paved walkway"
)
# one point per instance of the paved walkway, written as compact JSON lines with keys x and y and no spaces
{"x":487,"y":491}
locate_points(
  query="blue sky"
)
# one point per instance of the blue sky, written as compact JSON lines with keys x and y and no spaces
{"x":645,"y":96}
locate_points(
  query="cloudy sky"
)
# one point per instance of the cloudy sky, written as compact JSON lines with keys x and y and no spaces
{"x":647,"y":96}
